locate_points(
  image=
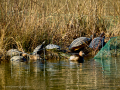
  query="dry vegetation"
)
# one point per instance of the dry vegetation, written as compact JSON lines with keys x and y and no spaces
{"x":24,"y":24}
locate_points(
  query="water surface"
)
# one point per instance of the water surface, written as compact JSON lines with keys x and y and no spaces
{"x":99,"y":74}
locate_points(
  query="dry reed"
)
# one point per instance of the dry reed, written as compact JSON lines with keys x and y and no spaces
{"x":24,"y":24}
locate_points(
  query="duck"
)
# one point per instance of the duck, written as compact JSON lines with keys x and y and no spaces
{"x":34,"y":57}
{"x":31,"y":57}
{"x":77,"y":57}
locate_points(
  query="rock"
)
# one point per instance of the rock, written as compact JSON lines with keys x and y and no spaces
{"x":13,"y":52}
{"x":18,"y":59}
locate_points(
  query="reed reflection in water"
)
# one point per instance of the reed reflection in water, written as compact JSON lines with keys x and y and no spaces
{"x":61,"y":75}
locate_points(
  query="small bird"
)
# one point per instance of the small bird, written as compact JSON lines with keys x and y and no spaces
{"x":77,"y":57}
{"x":31,"y":57}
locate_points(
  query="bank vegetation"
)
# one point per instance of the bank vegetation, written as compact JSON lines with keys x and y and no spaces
{"x":25,"y":24}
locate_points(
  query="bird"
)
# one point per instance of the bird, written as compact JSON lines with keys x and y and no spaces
{"x":77,"y":57}
{"x":31,"y":57}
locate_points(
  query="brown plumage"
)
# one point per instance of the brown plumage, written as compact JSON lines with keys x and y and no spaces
{"x":31,"y":57}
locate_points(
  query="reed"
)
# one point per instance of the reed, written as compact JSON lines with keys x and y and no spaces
{"x":24,"y":24}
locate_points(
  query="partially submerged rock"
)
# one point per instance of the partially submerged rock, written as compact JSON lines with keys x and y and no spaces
{"x":52,"y":51}
{"x":52,"y":55}
{"x":13,"y":52}
{"x":18,"y":59}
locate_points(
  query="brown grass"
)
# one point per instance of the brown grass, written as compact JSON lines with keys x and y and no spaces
{"x":24,"y":24}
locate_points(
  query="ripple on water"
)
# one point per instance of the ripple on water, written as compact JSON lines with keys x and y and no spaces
{"x":62,"y":75}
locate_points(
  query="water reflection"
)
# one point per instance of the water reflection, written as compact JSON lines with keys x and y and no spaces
{"x":61,"y":75}
{"x":108,"y":64}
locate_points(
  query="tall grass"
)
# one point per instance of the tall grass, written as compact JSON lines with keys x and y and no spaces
{"x":24,"y":24}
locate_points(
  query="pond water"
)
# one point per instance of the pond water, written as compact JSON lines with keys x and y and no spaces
{"x":99,"y":74}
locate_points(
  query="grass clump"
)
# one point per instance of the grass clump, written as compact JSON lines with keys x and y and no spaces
{"x":24,"y":24}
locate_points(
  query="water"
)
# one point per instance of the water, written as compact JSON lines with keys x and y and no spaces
{"x":102,"y":74}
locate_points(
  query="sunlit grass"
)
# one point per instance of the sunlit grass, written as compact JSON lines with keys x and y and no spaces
{"x":24,"y":24}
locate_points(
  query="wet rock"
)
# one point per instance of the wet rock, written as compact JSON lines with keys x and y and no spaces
{"x":13,"y":52}
{"x":18,"y":59}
